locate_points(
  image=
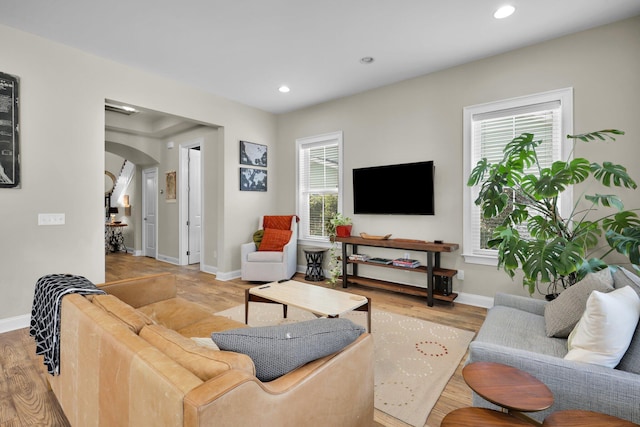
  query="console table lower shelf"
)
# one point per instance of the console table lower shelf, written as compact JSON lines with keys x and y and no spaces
{"x":439,"y":280}
{"x":397,"y":287}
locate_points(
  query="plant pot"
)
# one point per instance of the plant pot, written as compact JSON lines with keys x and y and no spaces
{"x":343,"y":230}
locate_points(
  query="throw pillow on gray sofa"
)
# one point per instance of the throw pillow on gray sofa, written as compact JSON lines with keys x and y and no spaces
{"x":276,"y":350}
{"x":563,"y":313}
{"x":631,"y":360}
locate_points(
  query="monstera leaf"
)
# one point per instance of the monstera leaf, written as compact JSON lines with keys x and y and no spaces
{"x":587,"y":234}
{"x":610,"y":172}
{"x":512,"y":249}
{"x":608,"y":200}
{"x":602,"y":135}
{"x":523,"y":149}
{"x":551,"y":183}
{"x":627,"y":242}
{"x":579,"y":169}
{"x":548,"y":261}
{"x":478,"y":172}
{"x":620,"y":221}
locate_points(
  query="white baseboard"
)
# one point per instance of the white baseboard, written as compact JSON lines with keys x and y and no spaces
{"x":137,"y":253}
{"x":209,"y":269}
{"x":168,"y":259}
{"x":13,"y":323}
{"x":475,"y":300}
{"x":224,"y":276}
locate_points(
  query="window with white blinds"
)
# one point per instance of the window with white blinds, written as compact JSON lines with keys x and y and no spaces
{"x":488,"y":129}
{"x":318,"y":183}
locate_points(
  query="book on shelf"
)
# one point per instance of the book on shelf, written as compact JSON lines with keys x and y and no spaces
{"x":381,"y":260}
{"x":359,"y":257}
{"x":406,"y":262}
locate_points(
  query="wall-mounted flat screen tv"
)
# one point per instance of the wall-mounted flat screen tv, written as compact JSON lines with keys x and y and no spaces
{"x":403,"y":189}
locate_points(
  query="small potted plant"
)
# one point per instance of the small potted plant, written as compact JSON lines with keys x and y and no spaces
{"x":339,"y":225}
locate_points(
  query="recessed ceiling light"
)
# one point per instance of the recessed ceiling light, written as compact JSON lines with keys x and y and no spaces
{"x":504,"y":12}
{"x":284,"y":89}
{"x":366,"y":60}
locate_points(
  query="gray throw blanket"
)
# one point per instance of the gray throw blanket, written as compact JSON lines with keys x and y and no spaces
{"x":45,"y":313}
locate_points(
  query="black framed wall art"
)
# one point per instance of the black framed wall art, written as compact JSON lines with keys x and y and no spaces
{"x":252,"y":179}
{"x":9,"y":128}
{"x":253,"y":154}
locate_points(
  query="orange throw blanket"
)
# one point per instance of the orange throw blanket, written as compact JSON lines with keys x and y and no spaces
{"x":279,"y":222}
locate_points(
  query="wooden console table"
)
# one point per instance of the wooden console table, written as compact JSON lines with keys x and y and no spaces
{"x":432,"y":269}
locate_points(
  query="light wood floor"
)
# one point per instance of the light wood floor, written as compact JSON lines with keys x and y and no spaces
{"x":25,"y":399}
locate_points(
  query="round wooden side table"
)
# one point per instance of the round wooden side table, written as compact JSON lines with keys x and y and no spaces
{"x":481,"y":417}
{"x":577,"y":418}
{"x":508,"y":387}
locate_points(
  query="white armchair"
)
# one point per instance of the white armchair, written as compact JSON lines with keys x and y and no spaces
{"x":267,"y":266}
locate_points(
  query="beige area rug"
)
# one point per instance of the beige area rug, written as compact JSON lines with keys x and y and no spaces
{"x":414,"y":358}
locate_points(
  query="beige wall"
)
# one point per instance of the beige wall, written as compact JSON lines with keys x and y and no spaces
{"x":63,"y":139}
{"x":421,"y":119}
{"x":63,"y":156}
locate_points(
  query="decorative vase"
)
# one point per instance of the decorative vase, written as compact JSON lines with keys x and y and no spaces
{"x":343,"y":230}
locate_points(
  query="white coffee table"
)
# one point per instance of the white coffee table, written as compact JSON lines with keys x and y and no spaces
{"x":322,"y":302}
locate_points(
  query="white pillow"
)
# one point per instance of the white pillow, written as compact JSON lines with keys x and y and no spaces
{"x":604,"y":331}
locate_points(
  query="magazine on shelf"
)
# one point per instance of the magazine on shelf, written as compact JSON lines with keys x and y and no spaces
{"x":381,"y":260}
{"x":406,"y":262}
{"x":359,"y":257}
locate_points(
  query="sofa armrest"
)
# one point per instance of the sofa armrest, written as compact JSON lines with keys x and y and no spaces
{"x":343,"y":383}
{"x":574,"y":385}
{"x":528,"y":304}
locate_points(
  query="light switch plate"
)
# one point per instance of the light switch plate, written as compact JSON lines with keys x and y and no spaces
{"x":51,"y":219}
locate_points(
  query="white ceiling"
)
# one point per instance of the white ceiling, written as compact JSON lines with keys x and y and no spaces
{"x":245,"y":49}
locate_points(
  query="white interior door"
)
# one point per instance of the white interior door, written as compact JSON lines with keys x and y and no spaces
{"x":149,"y":209}
{"x":195,"y":206}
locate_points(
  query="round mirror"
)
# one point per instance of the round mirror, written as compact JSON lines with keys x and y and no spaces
{"x":109,"y":182}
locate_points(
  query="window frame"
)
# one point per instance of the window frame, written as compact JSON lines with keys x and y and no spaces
{"x":305,"y":143}
{"x":475,"y":255}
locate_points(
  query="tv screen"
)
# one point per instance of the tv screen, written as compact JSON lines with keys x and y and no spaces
{"x":404,"y":189}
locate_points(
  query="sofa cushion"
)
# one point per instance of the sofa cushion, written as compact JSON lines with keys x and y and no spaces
{"x":206,"y":342}
{"x":562,"y":314}
{"x":274,"y":240}
{"x":134,"y":319}
{"x":513,"y":328}
{"x":264,"y":256}
{"x":276,"y":350}
{"x":604,"y":331}
{"x":176,"y":313}
{"x":205,"y":363}
{"x":206,"y":326}
{"x":631,"y":360}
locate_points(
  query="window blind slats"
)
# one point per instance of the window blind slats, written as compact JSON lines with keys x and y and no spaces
{"x":318,"y":186}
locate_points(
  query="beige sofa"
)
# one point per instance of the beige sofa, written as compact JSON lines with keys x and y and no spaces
{"x":126,"y":359}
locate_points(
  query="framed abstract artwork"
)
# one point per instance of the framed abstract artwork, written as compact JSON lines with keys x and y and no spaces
{"x":170,"y":196}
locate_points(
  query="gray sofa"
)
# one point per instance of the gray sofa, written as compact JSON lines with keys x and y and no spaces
{"x":514,"y":334}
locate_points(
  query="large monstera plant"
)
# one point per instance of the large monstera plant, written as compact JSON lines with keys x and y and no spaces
{"x":555,"y":250}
